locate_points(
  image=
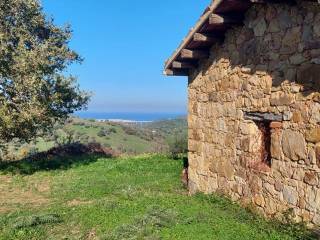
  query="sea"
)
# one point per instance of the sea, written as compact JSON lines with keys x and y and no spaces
{"x":130,"y":116}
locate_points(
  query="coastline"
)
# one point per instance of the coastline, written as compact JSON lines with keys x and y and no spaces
{"x":129,"y":117}
{"x":122,"y":121}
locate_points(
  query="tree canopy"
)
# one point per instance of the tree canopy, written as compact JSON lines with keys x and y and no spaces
{"x":35,"y":92}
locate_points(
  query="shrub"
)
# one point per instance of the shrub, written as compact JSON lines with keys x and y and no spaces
{"x":130,"y":130}
{"x":113,"y":130}
{"x":102,"y":133}
{"x":178,"y":146}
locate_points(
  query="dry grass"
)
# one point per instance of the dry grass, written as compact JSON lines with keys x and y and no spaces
{"x":13,"y":197}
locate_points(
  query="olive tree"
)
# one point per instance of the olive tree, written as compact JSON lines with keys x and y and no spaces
{"x":35,"y":92}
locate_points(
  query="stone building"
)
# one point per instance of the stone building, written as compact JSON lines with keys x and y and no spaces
{"x":254,"y":104}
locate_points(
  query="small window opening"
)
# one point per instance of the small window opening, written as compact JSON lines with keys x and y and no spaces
{"x":265,"y":138}
{"x":261,"y":153}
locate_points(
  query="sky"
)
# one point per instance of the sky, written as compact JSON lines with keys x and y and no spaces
{"x":124,"y":45}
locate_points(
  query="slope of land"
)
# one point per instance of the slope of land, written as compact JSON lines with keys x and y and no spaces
{"x":122,"y":198}
{"x":125,"y":138}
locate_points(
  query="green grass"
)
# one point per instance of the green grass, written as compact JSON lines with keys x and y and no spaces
{"x":116,"y":140}
{"x":125,"y":198}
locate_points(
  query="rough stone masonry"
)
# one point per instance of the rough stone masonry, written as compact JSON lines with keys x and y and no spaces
{"x":254,"y":112}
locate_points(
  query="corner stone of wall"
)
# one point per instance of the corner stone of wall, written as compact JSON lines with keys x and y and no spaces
{"x":270,"y":65}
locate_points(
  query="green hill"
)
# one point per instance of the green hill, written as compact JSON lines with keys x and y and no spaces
{"x":124,"y":138}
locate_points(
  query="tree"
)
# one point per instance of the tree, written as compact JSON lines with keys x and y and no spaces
{"x":178,"y":145}
{"x":34,"y":55}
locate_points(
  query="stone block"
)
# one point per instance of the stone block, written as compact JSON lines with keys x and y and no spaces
{"x":259,"y":200}
{"x":297,"y":59}
{"x":316,"y":219}
{"x":293,"y":145}
{"x":316,"y":29}
{"x":296,"y":117}
{"x":290,"y":195}
{"x":274,"y":26}
{"x":270,"y":189}
{"x":255,"y":184}
{"x":275,"y":125}
{"x":298,"y":174}
{"x":313,"y":135}
{"x":311,"y":178}
{"x":292,"y":36}
{"x":260,"y":26}
{"x":194,"y":146}
{"x":285,"y":20}
{"x":278,"y":186}
{"x":281,"y":99}
{"x":226,"y":169}
{"x":313,"y":199}
{"x":315,"y":113}
{"x":248,"y":128}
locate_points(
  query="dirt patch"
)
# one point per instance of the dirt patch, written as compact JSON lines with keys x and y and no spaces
{"x":92,"y":235}
{"x":18,"y":197}
{"x":43,"y":187}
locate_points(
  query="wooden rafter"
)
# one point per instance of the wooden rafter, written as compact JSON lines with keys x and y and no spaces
{"x":219,"y":19}
{"x":179,"y":65}
{"x":205,"y":38}
{"x":175,"y":72}
{"x":194,"y":54}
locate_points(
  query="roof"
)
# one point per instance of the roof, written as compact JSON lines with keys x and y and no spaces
{"x":210,"y":29}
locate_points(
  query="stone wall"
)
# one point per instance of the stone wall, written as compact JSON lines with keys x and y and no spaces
{"x":269,"y":67}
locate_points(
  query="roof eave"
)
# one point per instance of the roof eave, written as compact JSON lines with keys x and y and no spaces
{"x":218,"y":18}
{"x":191,"y":33}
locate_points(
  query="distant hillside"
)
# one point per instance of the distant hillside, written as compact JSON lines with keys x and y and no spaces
{"x":125,"y":138}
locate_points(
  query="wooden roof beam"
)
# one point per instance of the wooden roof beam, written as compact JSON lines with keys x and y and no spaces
{"x":194,"y":54}
{"x":205,"y":38}
{"x":221,"y":19}
{"x":175,"y":72}
{"x":181,"y":65}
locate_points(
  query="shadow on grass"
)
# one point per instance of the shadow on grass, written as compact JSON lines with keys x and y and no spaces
{"x":60,"y":158}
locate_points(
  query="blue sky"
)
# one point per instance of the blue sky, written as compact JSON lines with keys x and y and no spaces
{"x":124,"y":44}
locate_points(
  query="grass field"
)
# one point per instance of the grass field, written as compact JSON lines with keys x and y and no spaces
{"x":117,"y":140}
{"x":125,"y":198}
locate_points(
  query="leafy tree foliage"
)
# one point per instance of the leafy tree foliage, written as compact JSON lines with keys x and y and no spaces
{"x":178,"y":146}
{"x":34,"y":55}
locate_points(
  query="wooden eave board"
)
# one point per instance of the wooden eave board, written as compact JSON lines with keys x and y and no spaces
{"x":233,"y":7}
